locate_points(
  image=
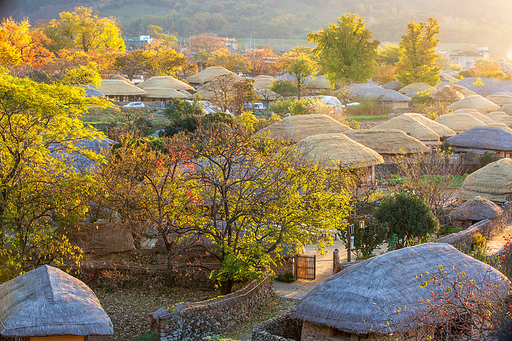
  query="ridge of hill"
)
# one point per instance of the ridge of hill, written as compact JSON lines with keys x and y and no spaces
{"x":472,"y":21}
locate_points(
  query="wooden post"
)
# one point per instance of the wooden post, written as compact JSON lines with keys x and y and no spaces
{"x":295,"y":266}
{"x":335,"y":261}
{"x":348,"y":246}
{"x":314,"y":267}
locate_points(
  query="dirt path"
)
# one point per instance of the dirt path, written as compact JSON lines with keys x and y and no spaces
{"x":496,"y":243}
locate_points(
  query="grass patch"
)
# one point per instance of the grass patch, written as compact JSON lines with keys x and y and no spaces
{"x":367,"y":118}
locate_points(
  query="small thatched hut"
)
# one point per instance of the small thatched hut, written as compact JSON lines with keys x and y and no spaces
{"x":480,"y":139}
{"x":48,"y":303}
{"x":393,"y":85}
{"x":296,"y":128}
{"x":263,"y":82}
{"x":500,"y":98}
{"x":209,"y":74}
{"x":166,"y":82}
{"x":500,"y":125}
{"x":476,"y":114}
{"x":472,"y":80}
{"x":447,"y":95}
{"x":362,"y":301}
{"x":318,"y":84}
{"x":459,"y":122}
{"x":497,"y":115}
{"x":388,"y":143}
{"x":441,"y":130}
{"x":475,"y":210}
{"x":413,"y":127}
{"x":485,"y":90}
{"x":164,"y":94}
{"x":476,"y":102}
{"x":119,"y":90}
{"x":463,"y":90}
{"x":415,"y":87}
{"x":493,"y":182}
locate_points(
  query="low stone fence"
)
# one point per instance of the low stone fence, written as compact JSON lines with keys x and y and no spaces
{"x":188,"y":322}
{"x":282,"y":328}
{"x":488,"y":228}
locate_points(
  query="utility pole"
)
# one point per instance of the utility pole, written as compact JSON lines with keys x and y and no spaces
{"x":350,"y":241}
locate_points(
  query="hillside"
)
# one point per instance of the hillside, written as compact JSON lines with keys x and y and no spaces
{"x":476,"y":21}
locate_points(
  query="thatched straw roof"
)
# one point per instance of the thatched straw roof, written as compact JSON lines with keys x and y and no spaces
{"x":496,"y":115}
{"x":206,"y":92}
{"x":507,"y":108}
{"x":484,"y":118}
{"x":116,"y":87}
{"x":506,"y":120}
{"x":472,"y":80}
{"x":487,"y":138}
{"x":459,"y":122}
{"x":358,"y":90}
{"x":463,"y":90}
{"x":412,"y":127}
{"x":493,"y":182}
{"x":441,"y":130}
{"x":477,"y":209}
{"x":165,"y":93}
{"x":505,"y":85}
{"x":447,"y":94}
{"x":334,"y":150}
{"x":485,"y":90}
{"x":440,"y":85}
{"x":500,"y":98}
{"x":47,"y":301}
{"x":210,"y":73}
{"x":263,"y":82}
{"x":365,"y":297}
{"x":500,"y":125}
{"x":167,"y":82}
{"x":119,"y":77}
{"x":296,"y":128}
{"x":445,"y":77}
{"x":385,"y":95}
{"x":388,"y":142}
{"x":393,"y":85}
{"x":415,"y":87}
{"x":319,"y":82}
{"x":267,"y":95}
{"x":476,"y":102}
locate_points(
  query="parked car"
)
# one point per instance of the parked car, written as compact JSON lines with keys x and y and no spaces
{"x":259,"y":106}
{"x":134,"y":105}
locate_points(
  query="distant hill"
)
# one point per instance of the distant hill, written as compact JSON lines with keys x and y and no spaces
{"x":482,"y":22}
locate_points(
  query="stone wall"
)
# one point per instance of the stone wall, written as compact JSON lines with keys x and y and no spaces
{"x":282,"y":328}
{"x":188,"y":322}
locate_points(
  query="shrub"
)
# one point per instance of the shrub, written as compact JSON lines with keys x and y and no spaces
{"x":148,"y":336}
{"x":478,"y":242}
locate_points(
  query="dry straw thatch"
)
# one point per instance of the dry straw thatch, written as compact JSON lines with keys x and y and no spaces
{"x":319,"y":82}
{"x":500,"y":98}
{"x":335,"y":150}
{"x":477,"y":209}
{"x":166,"y":82}
{"x":210,"y":73}
{"x":365,"y":297}
{"x":506,"y":120}
{"x":296,"y":128}
{"x":117,"y":87}
{"x":507,"y":108}
{"x":445,"y":77}
{"x":441,"y":130}
{"x":415,"y":87}
{"x":463,"y":90}
{"x":500,"y":125}
{"x":412,"y":127}
{"x":496,"y":115}
{"x":263,"y":82}
{"x":393,"y":85}
{"x":47,"y":301}
{"x":267,"y":95}
{"x":493,"y":182}
{"x":485,"y":138}
{"x":388,"y":142}
{"x":447,"y":94}
{"x":459,"y":122}
{"x":165,"y":93}
{"x":478,"y":115}
{"x":476,"y":102}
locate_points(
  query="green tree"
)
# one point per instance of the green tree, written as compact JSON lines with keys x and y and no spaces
{"x":407,"y":216}
{"x":345,"y":50}
{"x":389,"y":54}
{"x":40,"y":188}
{"x":418,"y":57}
{"x":284,"y":87}
{"x":300,"y":68}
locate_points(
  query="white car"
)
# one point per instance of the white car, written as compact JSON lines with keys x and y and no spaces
{"x":134,"y":105}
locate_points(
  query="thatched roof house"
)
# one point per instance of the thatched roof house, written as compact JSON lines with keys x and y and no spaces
{"x":446,"y":77}
{"x":390,"y":98}
{"x":476,"y":102}
{"x":388,"y":143}
{"x":447,"y":95}
{"x":480,"y":139}
{"x":500,"y":98}
{"x":476,"y":114}
{"x":119,"y":90}
{"x":441,"y":130}
{"x":472,"y":80}
{"x":415,"y":87}
{"x":485,"y":90}
{"x":496,"y":115}
{"x":506,"y":120}
{"x":317,"y":84}
{"x":335,"y":150}
{"x":463,"y":90}
{"x":500,"y":125}
{"x":167,"y":82}
{"x":296,"y":128}
{"x":209,"y":74}
{"x":493,"y":182}
{"x":393,"y":85}
{"x":263,"y":82}
{"x":164,"y":94}
{"x":48,"y":302}
{"x":362,"y":300}
{"x":413,"y":127}
{"x":267,"y":95}
{"x":507,"y":108}
{"x":477,"y":209}
{"x":459,"y":122}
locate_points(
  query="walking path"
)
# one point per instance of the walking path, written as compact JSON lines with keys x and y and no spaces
{"x":497,"y":243}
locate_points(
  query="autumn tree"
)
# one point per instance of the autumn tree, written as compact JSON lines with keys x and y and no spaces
{"x":346,"y":50}
{"x":384,"y":74}
{"x":40,"y":188}
{"x":487,"y":69}
{"x":300,"y":68}
{"x":206,"y":43}
{"x":418,"y":56}
{"x":232,"y":61}
{"x":262,"y":62}
{"x":19,"y":45}
{"x":132,"y":63}
{"x":82,"y":29}
{"x":389,"y":54}
{"x":243,"y":92}
{"x":284,"y":87}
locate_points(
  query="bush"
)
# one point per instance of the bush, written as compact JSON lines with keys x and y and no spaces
{"x":488,"y":157}
{"x":478,"y":242}
{"x":148,"y":336}
{"x":367,"y":107}
{"x":367,"y":238}
{"x":286,"y":278}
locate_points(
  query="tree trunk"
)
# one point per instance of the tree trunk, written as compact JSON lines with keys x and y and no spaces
{"x":226,"y":287}
{"x":298,"y":91}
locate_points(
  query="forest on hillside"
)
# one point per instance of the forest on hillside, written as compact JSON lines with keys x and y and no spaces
{"x":476,"y":21}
